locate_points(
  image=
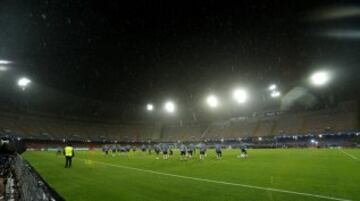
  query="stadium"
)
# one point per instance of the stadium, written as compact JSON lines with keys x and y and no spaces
{"x":174,"y":100}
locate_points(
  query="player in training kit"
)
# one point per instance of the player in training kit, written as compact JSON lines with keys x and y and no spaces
{"x":203,"y":149}
{"x":149,"y":149}
{"x":170,"y":151}
{"x":243,"y":151}
{"x":113,"y":149}
{"x":128,"y":148}
{"x":182,"y":149}
{"x":157,"y":150}
{"x":143,"y":148}
{"x":190,"y":150}
{"x":118,"y":147}
{"x":106,"y":149}
{"x":58,"y":151}
{"x":218,"y":151}
{"x":123,"y":150}
{"x":165,"y":150}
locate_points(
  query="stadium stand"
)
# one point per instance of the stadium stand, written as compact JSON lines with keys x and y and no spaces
{"x":344,"y":118}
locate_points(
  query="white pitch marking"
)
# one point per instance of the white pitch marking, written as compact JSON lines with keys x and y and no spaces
{"x":222,"y":182}
{"x":351,"y":156}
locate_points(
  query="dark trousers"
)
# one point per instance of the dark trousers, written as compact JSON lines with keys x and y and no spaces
{"x":68,"y":161}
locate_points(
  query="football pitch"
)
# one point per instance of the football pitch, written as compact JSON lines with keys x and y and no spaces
{"x":268,"y":174}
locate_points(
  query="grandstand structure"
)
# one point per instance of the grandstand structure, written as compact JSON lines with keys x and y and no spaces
{"x":343,"y":118}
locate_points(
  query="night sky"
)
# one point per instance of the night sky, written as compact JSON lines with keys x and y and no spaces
{"x":128,"y":54}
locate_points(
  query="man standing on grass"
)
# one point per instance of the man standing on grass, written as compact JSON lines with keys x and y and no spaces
{"x":157,"y":150}
{"x":218,"y":151}
{"x":58,"y":151}
{"x":243,"y":151}
{"x":203,"y":149}
{"x":190,"y":150}
{"x":106,"y":150}
{"x":165,"y":150}
{"x":149,"y":148}
{"x":69,"y":154}
{"x":182,"y":149}
{"x":143,"y":148}
{"x":113,"y":149}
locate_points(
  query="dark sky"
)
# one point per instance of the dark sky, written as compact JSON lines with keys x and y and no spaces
{"x":132,"y":53}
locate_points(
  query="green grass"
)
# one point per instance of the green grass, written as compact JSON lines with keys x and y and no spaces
{"x":327,"y":172}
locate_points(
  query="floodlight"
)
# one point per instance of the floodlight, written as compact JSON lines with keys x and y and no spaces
{"x":5,"y":62}
{"x":320,"y":78}
{"x":149,"y":107}
{"x":212,"y":101}
{"x":169,"y":107}
{"x":272,"y":87}
{"x":240,"y":95}
{"x":23,"y":82}
{"x":275,"y":94}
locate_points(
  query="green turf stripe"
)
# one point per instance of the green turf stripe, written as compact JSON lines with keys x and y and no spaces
{"x":220,"y":182}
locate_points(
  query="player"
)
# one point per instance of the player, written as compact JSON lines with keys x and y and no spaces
{"x":134,"y":148}
{"x":203,"y":150}
{"x":243,"y":151}
{"x":190,"y":150}
{"x":218,"y":151}
{"x":143,"y":148}
{"x":121,"y":150}
{"x":58,"y":151}
{"x":165,"y":150}
{"x":170,"y":151}
{"x":128,"y":148}
{"x":182,"y":149}
{"x":157,"y":150}
{"x":113,"y":149}
{"x":149,"y":148}
{"x":106,"y":150}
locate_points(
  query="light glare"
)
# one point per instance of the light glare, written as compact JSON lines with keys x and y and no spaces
{"x":24,"y":82}
{"x":212,"y":101}
{"x":319,"y":78}
{"x":272,"y":87}
{"x":149,"y":107}
{"x":169,"y":107}
{"x":5,"y":62}
{"x":3,"y":68}
{"x":240,"y":95}
{"x":275,"y":94}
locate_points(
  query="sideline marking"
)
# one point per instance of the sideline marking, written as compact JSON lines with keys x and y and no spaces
{"x":220,"y":182}
{"x":351,"y":156}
